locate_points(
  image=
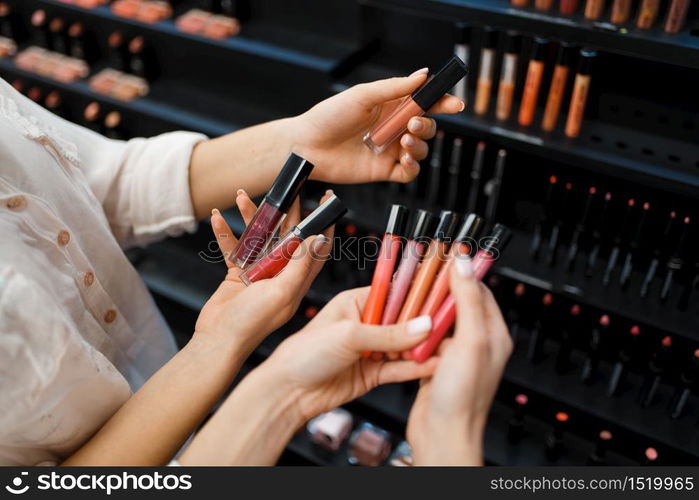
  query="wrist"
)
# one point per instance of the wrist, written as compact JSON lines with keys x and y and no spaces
{"x":449,"y":442}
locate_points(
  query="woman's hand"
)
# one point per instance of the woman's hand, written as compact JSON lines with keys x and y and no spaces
{"x":448,"y":417}
{"x":330,"y":133}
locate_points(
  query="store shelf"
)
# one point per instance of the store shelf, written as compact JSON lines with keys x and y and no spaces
{"x":681,"y":49}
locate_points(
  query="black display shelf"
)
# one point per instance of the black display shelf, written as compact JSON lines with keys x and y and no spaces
{"x":681,"y":49}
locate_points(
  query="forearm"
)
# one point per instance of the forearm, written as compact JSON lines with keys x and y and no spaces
{"x":155,"y":422}
{"x":449,"y":444}
{"x":248,"y":159}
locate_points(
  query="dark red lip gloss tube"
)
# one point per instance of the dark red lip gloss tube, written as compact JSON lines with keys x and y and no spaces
{"x":278,"y":257}
{"x":417,"y":104}
{"x":445,"y":317}
{"x":272,"y":210}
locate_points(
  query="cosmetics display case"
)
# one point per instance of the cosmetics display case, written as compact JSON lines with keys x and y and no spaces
{"x":600,"y":284}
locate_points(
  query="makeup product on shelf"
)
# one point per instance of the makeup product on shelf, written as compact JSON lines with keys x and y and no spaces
{"x":651,"y":456}
{"x":385,"y":264}
{"x":57,"y":34}
{"x":40,"y":29}
{"x":435,"y":175}
{"x":119,"y":85}
{"x":454,"y":171}
{"x":535,"y":349}
{"x":508,"y":76}
{"x":369,"y":445}
{"x":555,"y":441}
{"x":594,"y":9}
{"x":492,"y":248}
{"x":54,"y":103}
{"x":565,"y":345}
{"x":6,"y":25}
{"x":675,"y":263}
{"x":8,"y":47}
{"x":274,"y":261}
{"x":193,"y":21}
{"x":676,"y":16}
{"x":118,"y":52}
{"x":618,"y":240}
{"x":137,"y":63}
{"x":152,"y":11}
{"x":418,"y":240}
{"x":532,"y":84}
{"x":329,"y":430}
{"x":557,"y":89}
{"x":520,"y":3}
{"x":125,"y":8}
{"x":543,"y":5}
{"x":597,"y":457}
{"x":476,"y":169}
{"x":417,"y":104}
{"x":221,"y":27}
{"x":465,"y":243}
{"x":92,"y":116}
{"x":544,"y":218}
{"x":691,"y":286}
{"x":647,"y":14}
{"x":656,"y":369}
{"x":402,"y":456}
{"x":598,"y":336}
{"x":688,"y":382}
{"x":434,"y":257}
{"x":597,"y":237}
{"x":271,"y":212}
{"x":621,"y":11}
{"x":78,"y":47}
{"x":112,"y":125}
{"x":627,"y":355}
{"x":514,"y":319}
{"x":581,"y":89}
{"x":580,"y":231}
{"x":627,"y":267}
{"x":462,"y":50}
{"x":555,"y":236}
{"x":569,"y":7}
{"x":35,"y":94}
{"x":484,"y":84}
{"x":493,"y":186}
{"x":660,"y":250}
{"x":515,"y":426}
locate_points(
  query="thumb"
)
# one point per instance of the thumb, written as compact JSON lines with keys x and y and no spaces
{"x":381,"y":91}
{"x":391,"y":338}
{"x":470,"y":303}
{"x":301,"y":271}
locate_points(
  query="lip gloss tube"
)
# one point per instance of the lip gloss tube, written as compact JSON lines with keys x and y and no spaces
{"x":578,"y":101}
{"x":274,"y":261}
{"x":621,"y":11}
{"x":412,"y":253}
{"x":445,"y":317}
{"x":462,"y":50}
{"x":417,"y":104}
{"x":464,"y":244}
{"x":484,"y":84}
{"x":520,"y":3}
{"x":508,"y":75}
{"x":557,"y":89}
{"x":676,"y":15}
{"x":594,"y":9}
{"x":388,"y":254}
{"x":568,"y":6}
{"x":543,"y":5}
{"x":272,"y":210}
{"x":647,"y":14}
{"x":432,"y":261}
{"x":535,"y":74}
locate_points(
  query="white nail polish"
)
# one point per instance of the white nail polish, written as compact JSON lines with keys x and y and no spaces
{"x":463,"y":106}
{"x":319,"y":242}
{"x":418,"y":72}
{"x":419,"y":325}
{"x":464,"y":266}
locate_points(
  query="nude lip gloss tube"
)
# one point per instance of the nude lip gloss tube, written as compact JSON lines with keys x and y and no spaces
{"x":508,"y":75}
{"x":568,"y":6}
{"x":581,"y":89}
{"x":274,"y":261}
{"x":484,"y":83}
{"x":462,"y":50}
{"x":417,"y":104}
{"x":412,"y":254}
{"x":647,"y":14}
{"x":464,"y":244}
{"x":557,"y":89}
{"x":272,"y":210}
{"x":543,"y":5}
{"x":445,"y":317}
{"x":532,"y":85}
{"x":388,"y":254}
{"x":594,"y":9}
{"x":621,"y":10}
{"x":676,"y":16}
{"x":427,"y":272}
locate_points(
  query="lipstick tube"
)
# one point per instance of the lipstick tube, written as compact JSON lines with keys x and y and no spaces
{"x":462,"y":50}
{"x":543,"y":5}
{"x":476,"y":169}
{"x":412,"y":254}
{"x":660,"y":250}
{"x":647,"y":14}
{"x":464,"y":244}
{"x":594,"y":9}
{"x":557,"y":88}
{"x":532,"y":85}
{"x":274,"y":261}
{"x":417,"y":104}
{"x":626,"y":358}
{"x":565,"y":347}
{"x":555,"y":440}
{"x":576,"y":112}
{"x":597,"y":457}
{"x":492,"y":187}
{"x":388,"y":254}
{"x":676,"y":15}
{"x":454,"y":170}
{"x":688,"y":380}
{"x":40,"y":29}
{"x":508,"y":75}
{"x":515,"y":427}
{"x":445,"y":317}
{"x":590,"y":368}
{"x":580,"y":231}
{"x":435,"y":256}
{"x":435,"y":176}
{"x":541,"y":330}
{"x":656,"y":370}
{"x":272,"y":210}
{"x":621,"y":11}
{"x":568,"y":7}
{"x":484,"y":84}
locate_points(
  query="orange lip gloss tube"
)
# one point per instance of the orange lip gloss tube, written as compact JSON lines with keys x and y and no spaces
{"x":594,"y":9}
{"x":543,"y":5}
{"x":535,"y":73}
{"x":580,"y":93}
{"x":557,"y":89}
{"x":484,"y":84}
{"x":435,"y":256}
{"x":621,"y":11}
{"x":520,"y":3}
{"x":508,"y":75}
{"x":647,"y":14}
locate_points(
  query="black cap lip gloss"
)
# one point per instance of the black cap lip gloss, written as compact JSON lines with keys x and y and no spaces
{"x":289,"y":182}
{"x":470,"y":229}
{"x":424,"y":225}
{"x":327,"y":214}
{"x":397,"y":220}
{"x":440,"y":83}
{"x":445,"y":226}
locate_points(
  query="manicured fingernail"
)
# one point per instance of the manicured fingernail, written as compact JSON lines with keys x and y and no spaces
{"x":408,"y":141}
{"x":421,"y":71}
{"x":463,"y":106}
{"x":240,"y":192}
{"x":407,"y":158}
{"x":415,"y":125}
{"x":319,"y":243}
{"x":464,"y":266}
{"x":419,"y":325}
{"x":214,"y":211}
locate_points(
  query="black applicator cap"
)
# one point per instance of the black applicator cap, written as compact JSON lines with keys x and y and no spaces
{"x":539,"y":50}
{"x":564,"y":53}
{"x":440,"y":83}
{"x":470,"y":228}
{"x":322,"y":217}
{"x":424,"y":225}
{"x":288,"y":183}
{"x":446,"y":225}
{"x":397,"y":220}
{"x":463,"y":33}
{"x":586,"y":57}
{"x":498,"y":240}
{"x":513,"y":42}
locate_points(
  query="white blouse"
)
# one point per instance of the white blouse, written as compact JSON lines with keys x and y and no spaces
{"x":78,"y":329}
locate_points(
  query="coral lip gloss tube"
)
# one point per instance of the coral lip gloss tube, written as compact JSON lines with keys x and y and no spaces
{"x":417,"y":104}
{"x":464,"y":244}
{"x":594,"y":9}
{"x":272,"y":210}
{"x":445,"y":317}
{"x":388,"y":254}
{"x":508,"y":75}
{"x":621,"y":10}
{"x":532,"y":85}
{"x":427,"y":272}
{"x":647,"y":14}
{"x":578,"y":101}
{"x":412,"y":253}
{"x":676,"y":16}
{"x":557,"y":89}
{"x":278,"y":257}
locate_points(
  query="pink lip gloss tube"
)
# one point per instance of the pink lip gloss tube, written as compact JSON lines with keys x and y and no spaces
{"x":417,"y":104}
{"x":412,"y":253}
{"x":272,"y":210}
{"x":445,"y":317}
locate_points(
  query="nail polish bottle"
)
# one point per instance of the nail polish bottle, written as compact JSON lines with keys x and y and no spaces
{"x":417,"y":104}
{"x":272,"y":210}
{"x":329,"y":430}
{"x":273,"y":262}
{"x":402,"y":456}
{"x":369,"y":445}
